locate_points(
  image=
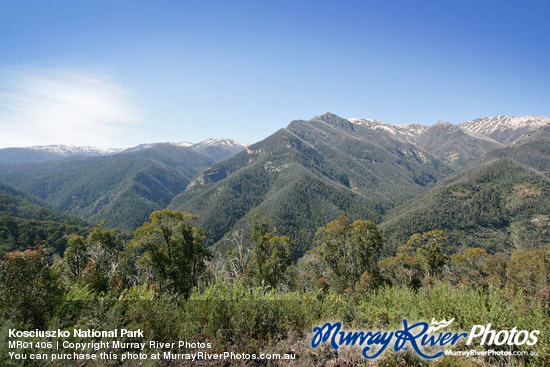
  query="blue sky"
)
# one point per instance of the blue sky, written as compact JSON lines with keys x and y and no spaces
{"x":120,"y":73}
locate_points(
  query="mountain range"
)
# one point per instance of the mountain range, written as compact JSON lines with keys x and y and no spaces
{"x":313,"y":171}
{"x":483,"y":181}
{"x":217,"y":149}
{"x":121,"y":188}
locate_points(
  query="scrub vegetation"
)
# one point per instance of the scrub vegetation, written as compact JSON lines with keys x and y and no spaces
{"x":255,"y":299}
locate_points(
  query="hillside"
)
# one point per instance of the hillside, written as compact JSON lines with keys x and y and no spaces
{"x":531,"y":149}
{"x":500,"y":205}
{"x":25,"y":221}
{"x":455,"y":146}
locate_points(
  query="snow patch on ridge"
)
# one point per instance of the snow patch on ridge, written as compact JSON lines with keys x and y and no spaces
{"x":70,"y":150}
{"x":398,"y":129}
{"x":220,"y":142}
{"x":488,"y":125}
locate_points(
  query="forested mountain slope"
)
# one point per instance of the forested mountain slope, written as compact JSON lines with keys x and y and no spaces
{"x":498,"y":204}
{"x":307,"y":174}
{"x":25,"y":221}
{"x":455,"y":146}
{"x":121,"y":189}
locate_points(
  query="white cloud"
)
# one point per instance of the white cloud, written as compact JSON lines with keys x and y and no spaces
{"x":60,"y":106}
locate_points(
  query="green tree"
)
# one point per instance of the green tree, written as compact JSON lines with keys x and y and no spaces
{"x":270,"y":255}
{"x":471,"y":266}
{"x":311,"y":269}
{"x":29,"y":289}
{"x":173,"y":248}
{"x":351,"y":249}
{"x":76,"y":255}
{"x":405,"y":268}
{"x":430,"y":246}
{"x":530,"y":270}
{"x":95,"y":259}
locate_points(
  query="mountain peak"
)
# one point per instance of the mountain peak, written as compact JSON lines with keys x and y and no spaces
{"x":335,"y":120}
{"x":218,"y":149}
{"x":220,"y":142}
{"x":326,"y":116}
